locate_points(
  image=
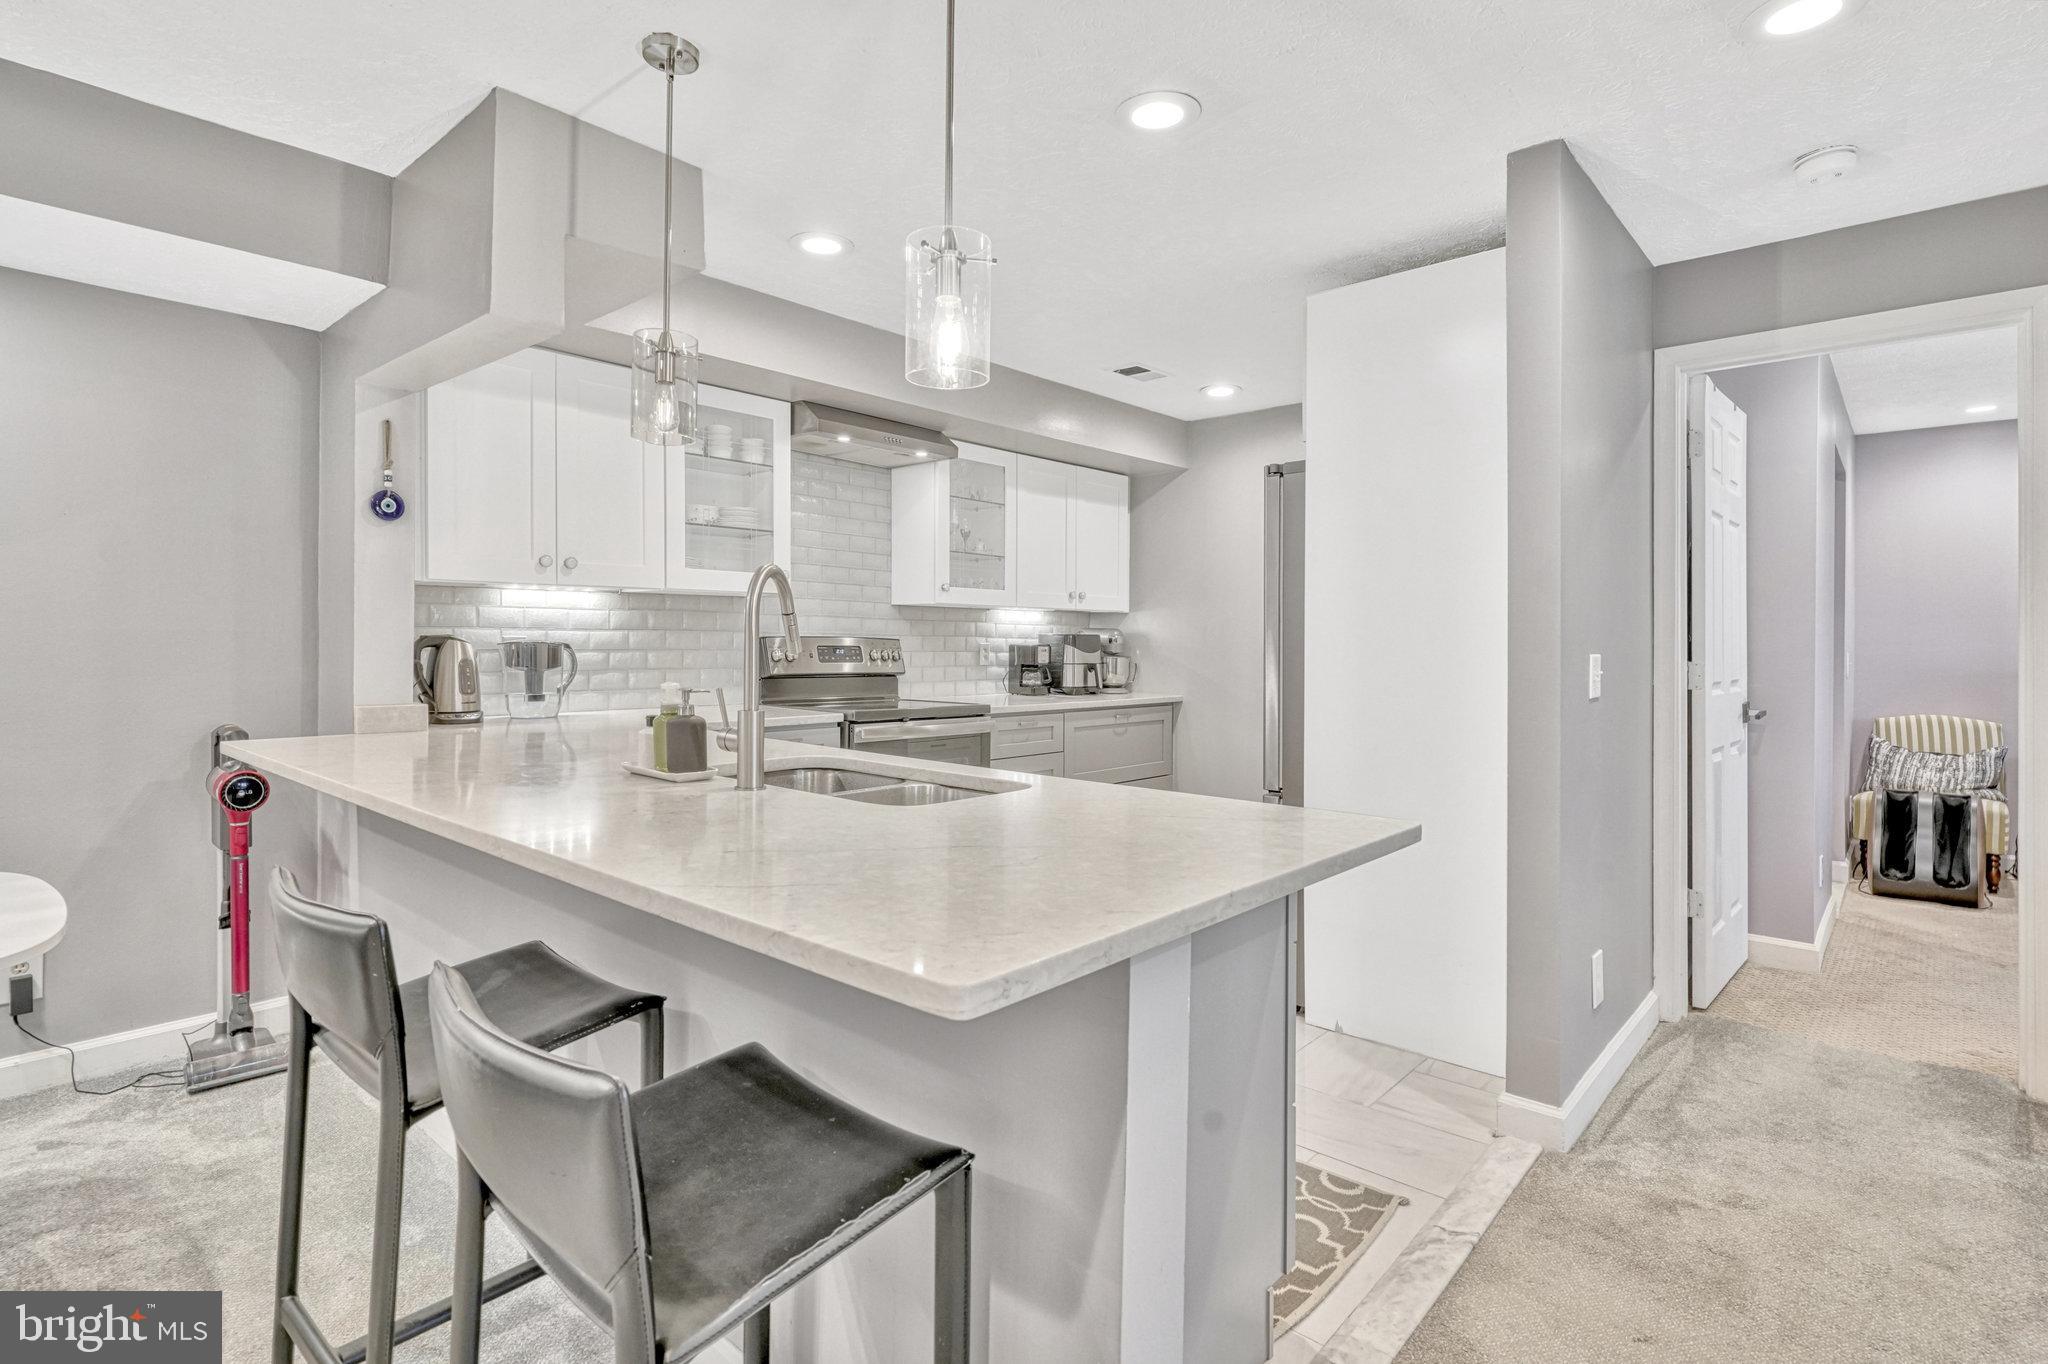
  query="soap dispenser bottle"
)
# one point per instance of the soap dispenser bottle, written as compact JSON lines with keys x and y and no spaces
{"x":680,"y":734}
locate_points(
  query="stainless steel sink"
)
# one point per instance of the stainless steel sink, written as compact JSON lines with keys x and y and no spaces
{"x":868,"y":787}
{"x":915,"y":793}
{"x":828,"y":781}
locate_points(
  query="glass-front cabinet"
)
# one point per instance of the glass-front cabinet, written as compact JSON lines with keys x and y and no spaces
{"x":728,"y":496}
{"x":956,"y":530}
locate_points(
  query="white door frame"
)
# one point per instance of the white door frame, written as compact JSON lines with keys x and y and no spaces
{"x":2025,"y":310}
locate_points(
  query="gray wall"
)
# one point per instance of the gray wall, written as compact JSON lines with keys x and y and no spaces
{"x":1937,"y":576}
{"x":1579,"y":385}
{"x":156,"y":539}
{"x":1198,"y":595}
{"x":1796,"y":423}
{"x":1962,"y":251}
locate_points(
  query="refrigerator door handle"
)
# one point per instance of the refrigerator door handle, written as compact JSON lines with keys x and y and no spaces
{"x":1276,"y":569}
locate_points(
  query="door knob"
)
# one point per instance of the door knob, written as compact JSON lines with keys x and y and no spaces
{"x":1752,"y":716}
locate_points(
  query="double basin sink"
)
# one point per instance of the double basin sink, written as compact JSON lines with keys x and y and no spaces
{"x":870,"y":788}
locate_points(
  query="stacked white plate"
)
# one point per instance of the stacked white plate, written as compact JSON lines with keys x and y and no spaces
{"x":702,"y":514}
{"x":718,"y":441}
{"x":754,"y":449}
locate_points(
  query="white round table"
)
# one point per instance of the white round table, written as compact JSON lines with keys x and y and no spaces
{"x":32,"y":916}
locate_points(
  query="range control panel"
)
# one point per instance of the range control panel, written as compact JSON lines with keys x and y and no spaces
{"x":831,"y":656}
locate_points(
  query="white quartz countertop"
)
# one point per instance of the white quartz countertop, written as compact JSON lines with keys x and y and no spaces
{"x":957,"y":909}
{"x":1006,"y":704}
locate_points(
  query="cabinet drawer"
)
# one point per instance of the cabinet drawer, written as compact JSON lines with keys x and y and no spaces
{"x":1020,"y":736}
{"x":828,"y":735}
{"x":1042,"y":764}
{"x":1120,"y":745}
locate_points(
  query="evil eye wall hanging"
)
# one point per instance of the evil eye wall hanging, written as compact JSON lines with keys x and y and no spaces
{"x":385,"y":503}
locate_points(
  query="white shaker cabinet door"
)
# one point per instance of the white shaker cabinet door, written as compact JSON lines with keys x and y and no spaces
{"x":1099,"y":531}
{"x":490,"y":514}
{"x":1044,"y":566}
{"x":610,"y":513}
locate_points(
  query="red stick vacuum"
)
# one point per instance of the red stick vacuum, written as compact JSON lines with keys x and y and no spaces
{"x":238,"y":1049}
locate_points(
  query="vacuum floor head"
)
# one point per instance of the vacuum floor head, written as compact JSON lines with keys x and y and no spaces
{"x":226,"y":1058}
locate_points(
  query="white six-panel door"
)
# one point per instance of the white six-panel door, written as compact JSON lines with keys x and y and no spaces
{"x":1719,"y":435}
{"x":610,"y":513}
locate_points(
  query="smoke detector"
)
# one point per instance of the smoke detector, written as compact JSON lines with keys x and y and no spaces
{"x":1823,"y":164}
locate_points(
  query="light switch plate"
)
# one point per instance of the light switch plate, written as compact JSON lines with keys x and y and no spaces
{"x":1599,"y":979}
{"x":1593,"y":675}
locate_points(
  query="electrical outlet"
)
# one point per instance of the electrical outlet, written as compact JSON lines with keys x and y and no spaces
{"x":21,"y":968}
{"x":1599,"y":979}
{"x":1593,"y":675}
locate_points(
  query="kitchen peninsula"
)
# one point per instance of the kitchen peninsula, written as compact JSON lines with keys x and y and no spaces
{"x":1088,"y":985}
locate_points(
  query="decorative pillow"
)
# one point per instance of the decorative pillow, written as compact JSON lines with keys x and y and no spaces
{"x":1892,"y":768}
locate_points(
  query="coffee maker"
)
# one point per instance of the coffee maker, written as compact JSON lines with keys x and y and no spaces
{"x":1075,"y":663}
{"x":1030,"y":670}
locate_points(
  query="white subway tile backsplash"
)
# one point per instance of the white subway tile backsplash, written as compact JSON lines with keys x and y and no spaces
{"x":629,"y":643}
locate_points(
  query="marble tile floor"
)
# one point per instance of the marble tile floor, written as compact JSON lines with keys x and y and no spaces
{"x":1410,"y":1125}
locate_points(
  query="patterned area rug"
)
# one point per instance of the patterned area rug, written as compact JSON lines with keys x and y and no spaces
{"x":1335,"y":1219}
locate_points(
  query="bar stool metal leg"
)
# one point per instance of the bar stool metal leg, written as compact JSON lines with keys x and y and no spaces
{"x":300,"y":1051}
{"x":953,"y":1271}
{"x":754,"y":1339}
{"x":653,"y":1047}
{"x":391,"y":1126}
{"x":465,"y":1321}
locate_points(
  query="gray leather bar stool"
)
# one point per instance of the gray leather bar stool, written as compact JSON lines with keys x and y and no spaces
{"x":680,"y":1211}
{"x":346,"y":998}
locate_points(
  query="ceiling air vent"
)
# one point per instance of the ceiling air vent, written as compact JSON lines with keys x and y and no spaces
{"x":1139,"y":372}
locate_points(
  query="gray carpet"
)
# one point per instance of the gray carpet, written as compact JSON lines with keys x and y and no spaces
{"x":1747,"y":1195}
{"x":155,"y":1189}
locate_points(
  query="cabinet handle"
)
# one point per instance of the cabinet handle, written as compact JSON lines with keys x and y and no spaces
{"x":569,"y":562}
{"x":1084,"y":596}
{"x":945,"y":587}
{"x":547,"y":561}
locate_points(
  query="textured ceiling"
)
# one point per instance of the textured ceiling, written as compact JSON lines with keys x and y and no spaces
{"x":1340,"y":140}
{"x":1907,"y":385}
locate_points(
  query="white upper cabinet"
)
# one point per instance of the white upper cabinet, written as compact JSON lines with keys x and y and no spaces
{"x":533,"y":476}
{"x":1073,"y":537}
{"x":1044,"y":566}
{"x":728,"y":503}
{"x":490,"y":484}
{"x":610,"y":512}
{"x":955,"y":530}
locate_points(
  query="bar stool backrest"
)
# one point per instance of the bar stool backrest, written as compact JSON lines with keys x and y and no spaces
{"x":337,"y":966}
{"x":553,"y":1142}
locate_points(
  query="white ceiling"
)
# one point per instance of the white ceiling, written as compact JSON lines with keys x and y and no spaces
{"x":1339,"y":141}
{"x":1932,"y":381}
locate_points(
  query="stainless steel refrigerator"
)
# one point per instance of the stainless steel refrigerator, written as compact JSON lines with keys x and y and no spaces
{"x":1286,"y":517}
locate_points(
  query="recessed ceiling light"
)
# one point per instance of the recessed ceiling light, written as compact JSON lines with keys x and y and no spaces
{"x":1220,"y":391}
{"x":1790,"y":18}
{"x":1823,"y":164}
{"x":1980,"y":409}
{"x":1158,"y":110}
{"x":821,"y":244}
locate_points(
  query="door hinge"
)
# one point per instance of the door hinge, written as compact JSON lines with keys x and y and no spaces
{"x":1695,"y":444}
{"x":1695,"y":904}
{"x":1695,"y":676}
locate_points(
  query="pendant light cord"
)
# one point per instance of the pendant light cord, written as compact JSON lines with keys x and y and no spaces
{"x":668,"y":194}
{"x":949,"y":115}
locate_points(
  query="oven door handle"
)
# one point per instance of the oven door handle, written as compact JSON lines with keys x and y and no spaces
{"x":896,"y":731}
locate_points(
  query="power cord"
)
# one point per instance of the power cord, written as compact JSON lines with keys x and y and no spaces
{"x":165,"y":1079}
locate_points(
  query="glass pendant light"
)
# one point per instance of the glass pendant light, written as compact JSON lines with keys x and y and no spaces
{"x":950,"y":286}
{"x":664,"y":360}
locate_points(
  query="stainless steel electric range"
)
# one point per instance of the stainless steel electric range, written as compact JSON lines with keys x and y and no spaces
{"x":856,"y":678}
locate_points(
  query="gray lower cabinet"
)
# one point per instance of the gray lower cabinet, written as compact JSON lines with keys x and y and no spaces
{"x":1120,"y":745}
{"x":1023,"y":736}
{"x":1040,"y":764}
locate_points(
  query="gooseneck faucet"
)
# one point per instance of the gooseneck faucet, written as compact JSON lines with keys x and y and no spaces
{"x":753,"y":728}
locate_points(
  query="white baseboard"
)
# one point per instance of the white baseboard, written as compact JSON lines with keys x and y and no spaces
{"x":1557,"y":1128}
{"x":160,"y":1043}
{"x":1789,"y":954}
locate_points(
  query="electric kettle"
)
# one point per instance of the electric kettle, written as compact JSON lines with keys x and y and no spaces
{"x":450,"y":688}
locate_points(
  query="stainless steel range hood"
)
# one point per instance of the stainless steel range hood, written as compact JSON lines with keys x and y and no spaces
{"x":817,"y":429}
